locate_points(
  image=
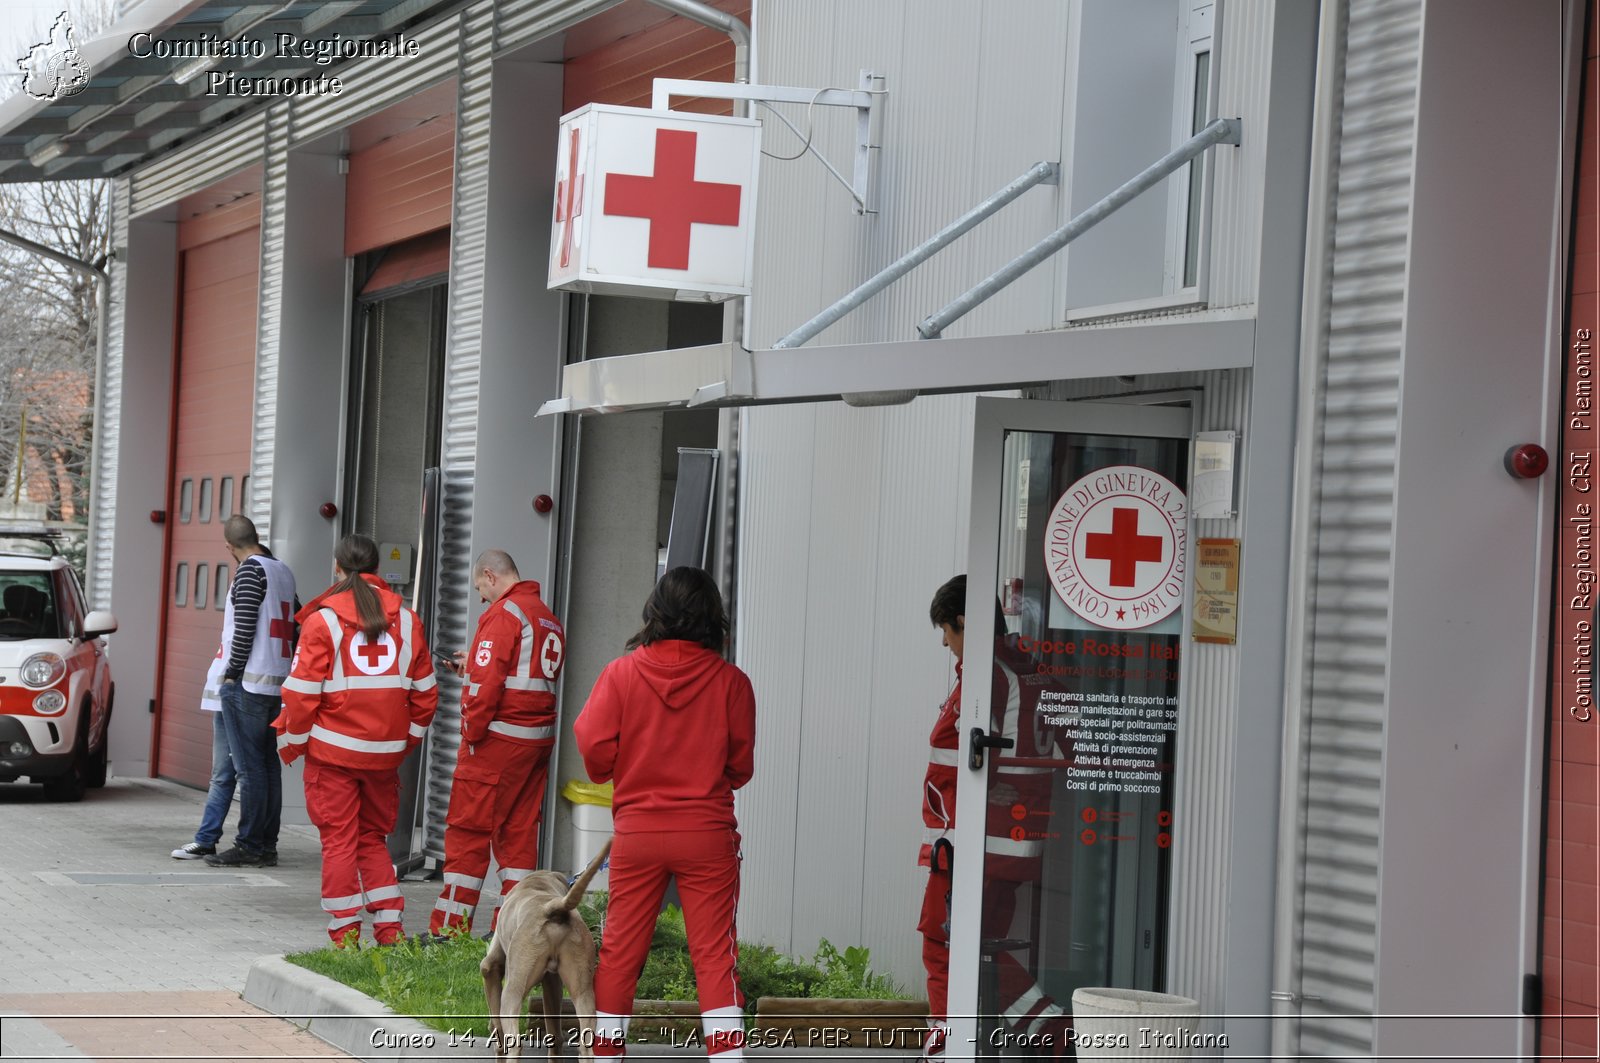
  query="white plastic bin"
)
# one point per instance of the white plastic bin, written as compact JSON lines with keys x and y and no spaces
{"x":1133,"y":1024}
{"x":589,"y":805}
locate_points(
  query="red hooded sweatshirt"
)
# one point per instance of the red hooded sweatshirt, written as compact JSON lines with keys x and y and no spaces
{"x":673,"y":725}
{"x":354,"y":701}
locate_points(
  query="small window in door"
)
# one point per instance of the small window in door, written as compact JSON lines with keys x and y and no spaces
{"x":200,"y":571}
{"x":225,"y":498}
{"x":185,"y":501}
{"x":180,"y":584}
{"x":244,"y":494}
{"x":222,"y":587}
{"x":205,"y":500}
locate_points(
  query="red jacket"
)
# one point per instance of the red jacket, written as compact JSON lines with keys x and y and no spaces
{"x":354,"y":702}
{"x":512,"y":669}
{"x":674,"y":726}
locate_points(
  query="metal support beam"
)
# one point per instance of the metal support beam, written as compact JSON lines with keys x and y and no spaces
{"x":1221,"y":131}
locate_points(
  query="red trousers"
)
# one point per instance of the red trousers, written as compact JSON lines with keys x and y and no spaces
{"x":495,"y":805}
{"x":1020,"y":1001}
{"x":706,"y":866}
{"x":355,"y":812}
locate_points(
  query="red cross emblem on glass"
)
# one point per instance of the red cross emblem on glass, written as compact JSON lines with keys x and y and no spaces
{"x":282,"y":629}
{"x":672,"y":199}
{"x":1123,"y":546}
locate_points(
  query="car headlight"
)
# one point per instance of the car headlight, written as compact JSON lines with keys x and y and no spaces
{"x":50,"y":702}
{"x":43,"y":669}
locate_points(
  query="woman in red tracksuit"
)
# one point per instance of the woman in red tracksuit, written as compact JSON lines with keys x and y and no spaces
{"x":360,"y":695}
{"x":672,"y":724}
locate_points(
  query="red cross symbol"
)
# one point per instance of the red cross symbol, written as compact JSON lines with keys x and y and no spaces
{"x":568,"y":205}
{"x":282,"y":628}
{"x":672,"y":199}
{"x":374,"y":652}
{"x":550,"y":655}
{"x":1123,"y":546}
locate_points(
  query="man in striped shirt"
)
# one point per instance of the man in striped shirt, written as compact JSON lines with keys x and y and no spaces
{"x":508,"y":717}
{"x":258,"y":643}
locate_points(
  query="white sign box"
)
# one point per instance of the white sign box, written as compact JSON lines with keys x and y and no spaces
{"x":654,"y":203}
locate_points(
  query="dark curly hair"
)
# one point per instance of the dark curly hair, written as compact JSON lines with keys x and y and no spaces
{"x":684,"y":605}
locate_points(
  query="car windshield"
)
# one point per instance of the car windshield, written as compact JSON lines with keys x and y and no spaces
{"x":27,"y":606}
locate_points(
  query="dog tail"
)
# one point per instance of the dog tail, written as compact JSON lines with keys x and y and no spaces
{"x":580,"y":886}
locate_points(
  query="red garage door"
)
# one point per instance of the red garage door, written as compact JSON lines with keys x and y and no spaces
{"x":219,"y":266}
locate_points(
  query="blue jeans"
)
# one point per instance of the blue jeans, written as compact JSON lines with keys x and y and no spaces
{"x":254,"y":745}
{"x":220,"y":795}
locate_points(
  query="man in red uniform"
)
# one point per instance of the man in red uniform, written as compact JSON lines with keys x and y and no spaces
{"x":1017,"y":778}
{"x":508,"y":718}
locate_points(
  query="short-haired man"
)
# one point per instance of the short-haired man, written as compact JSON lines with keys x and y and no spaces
{"x":508,"y":727}
{"x":257,"y":647}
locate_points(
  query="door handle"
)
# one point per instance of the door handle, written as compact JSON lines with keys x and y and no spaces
{"x":982,"y":740}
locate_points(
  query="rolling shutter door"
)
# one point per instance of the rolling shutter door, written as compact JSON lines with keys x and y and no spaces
{"x":621,"y":72}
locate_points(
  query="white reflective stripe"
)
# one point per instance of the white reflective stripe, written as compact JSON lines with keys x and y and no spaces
{"x":515,"y":874}
{"x":1020,"y":1007}
{"x":451,"y":878}
{"x":367,"y":682}
{"x":1007,"y":847}
{"x":360,"y":745}
{"x":339,"y":904}
{"x":343,"y":920}
{"x":518,"y":682}
{"x":611,"y":1027}
{"x":302,"y":686}
{"x":336,"y":633}
{"x":408,"y":634}
{"x":472,"y":689}
{"x":388,"y":915}
{"x":932,"y":834}
{"x":1008,"y":724}
{"x":524,"y":645}
{"x":292,"y":738}
{"x":427,"y":682}
{"x":383,"y":893}
{"x":1047,"y":1015}
{"x":452,"y":907}
{"x":417,"y":730}
{"x":948,"y":757}
{"x":722,"y":1020}
{"x":511,"y":730}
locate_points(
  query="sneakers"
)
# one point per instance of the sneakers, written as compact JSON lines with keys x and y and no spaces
{"x":237,"y":857}
{"x":269,"y":858}
{"x":193,"y":851}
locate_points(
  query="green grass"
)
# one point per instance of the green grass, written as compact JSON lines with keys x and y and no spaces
{"x":441,"y":986}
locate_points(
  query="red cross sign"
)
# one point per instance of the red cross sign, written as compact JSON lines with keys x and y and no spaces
{"x":282,"y":629}
{"x":654,"y":203}
{"x":1123,"y":546}
{"x":373,"y":656}
{"x":550,"y":655}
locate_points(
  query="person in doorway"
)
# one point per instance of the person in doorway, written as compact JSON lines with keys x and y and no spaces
{"x":508,"y":719}
{"x":1008,"y":861}
{"x":359,"y":697}
{"x":219,"y":795}
{"x":257,"y":644}
{"x":672,"y":725}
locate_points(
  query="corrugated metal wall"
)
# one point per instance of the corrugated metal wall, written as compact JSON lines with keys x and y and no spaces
{"x":269,"y":327}
{"x":204,"y":162}
{"x":1351,"y":565}
{"x":1198,"y":938}
{"x":469,"y":225}
{"x":107,"y":457}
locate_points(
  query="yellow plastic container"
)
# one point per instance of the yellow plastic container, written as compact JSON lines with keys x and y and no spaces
{"x":582,"y":792}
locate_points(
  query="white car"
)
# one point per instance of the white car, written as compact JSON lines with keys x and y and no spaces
{"x":55,"y":682}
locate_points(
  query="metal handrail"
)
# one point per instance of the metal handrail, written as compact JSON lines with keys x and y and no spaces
{"x":1040,"y":172}
{"x":1221,"y":131}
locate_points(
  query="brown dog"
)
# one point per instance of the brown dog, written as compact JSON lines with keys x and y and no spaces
{"x":540,"y":938}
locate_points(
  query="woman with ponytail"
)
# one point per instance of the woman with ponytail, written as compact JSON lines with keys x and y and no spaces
{"x":360,"y":695}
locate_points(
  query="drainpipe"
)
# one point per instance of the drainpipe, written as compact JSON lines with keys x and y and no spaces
{"x":102,"y":299}
{"x":735,"y":327}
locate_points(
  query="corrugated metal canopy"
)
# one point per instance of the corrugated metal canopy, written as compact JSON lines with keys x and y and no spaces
{"x":132,"y":108}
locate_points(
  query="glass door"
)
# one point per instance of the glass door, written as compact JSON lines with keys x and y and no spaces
{"x":1077,"y":581}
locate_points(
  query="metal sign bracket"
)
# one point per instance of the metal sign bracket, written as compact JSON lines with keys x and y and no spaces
{"x":867,"y":99}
